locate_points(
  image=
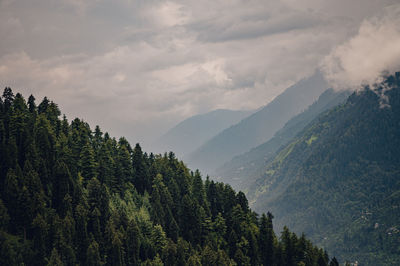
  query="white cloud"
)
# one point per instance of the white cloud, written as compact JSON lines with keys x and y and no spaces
{"x":373,"y":50}
{"x":169,"y":14}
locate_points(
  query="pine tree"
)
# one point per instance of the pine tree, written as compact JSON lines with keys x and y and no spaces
{"x":198,"y":191}
{"x":288,"y":246}
{"x":4,"y":217}
{"x":106,"y":168}
{"x":141,"y":180}
{"x":334,"y":262}
{"x":12,"y":191}
{"x":242,"y":201}
{"x":8,"y":97}
{"x":93,"y":255}
{"x":266,"y":239}
{"x":40,"y":237}
{"x":45,"y":140}
{"x":87,"y":163}
{"x":116,"y":257}
{"x":81,"y":236}
{"x":11,"y":151}
{"x":42,"y":108}
{"x":159,"y":239}
{"x":31,"y":104}
{"x":62,"y":185}
{"x":55,"y":259}
{"x":18,"y":126}
{"x":241,"y":259}
{"x":123,"y":166}
{"x":194,"y":260}
{"x":132,"y":243}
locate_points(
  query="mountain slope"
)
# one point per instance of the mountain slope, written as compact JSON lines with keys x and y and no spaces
{"x":192,"y":132}
{"x":339,"y":179}
{"x":243,"y":169}
{"x":73,"y":196}
{"x":259,"y":127}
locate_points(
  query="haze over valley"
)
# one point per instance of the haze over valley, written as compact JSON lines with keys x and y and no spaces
{"x":200,"y":133}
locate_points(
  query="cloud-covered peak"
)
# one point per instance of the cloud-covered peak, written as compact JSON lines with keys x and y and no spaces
{"x":374,"y":50}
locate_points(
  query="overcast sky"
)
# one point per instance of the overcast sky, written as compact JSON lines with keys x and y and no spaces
{"x":137,"y":67}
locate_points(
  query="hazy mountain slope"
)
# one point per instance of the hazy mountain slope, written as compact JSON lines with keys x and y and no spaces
{"x":340,"y":179}
{"x":259,"y":127}
{"x":192,"y":132}
{"x":242,"y":170}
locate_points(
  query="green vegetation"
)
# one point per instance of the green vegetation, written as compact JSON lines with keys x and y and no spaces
{"x":281,"y":156}
{"x":243,"y":170}
{"x":73,"y":196}
{"x":311,"y":139}
{"x":343,"y":190}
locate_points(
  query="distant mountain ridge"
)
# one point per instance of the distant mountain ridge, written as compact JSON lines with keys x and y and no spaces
{"x":243,"y":169}
{"x":258,"y":127}
{"x":339,"y":178}
{"x":192,"y":132}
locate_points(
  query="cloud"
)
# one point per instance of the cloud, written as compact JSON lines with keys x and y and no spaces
{"x":247,"y":20}
{"x":138,"y":67}
{"x":169,"y":14}
{"x":374,"y":50}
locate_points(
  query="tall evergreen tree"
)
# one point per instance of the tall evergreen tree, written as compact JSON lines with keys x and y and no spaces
{"x":87,"y":163}
{"x":8,"y":97}
{"x":31,"y":104}
{"x":42,"y":108}
{"x":93,"y":255}
{"x":266,"y":239}
{"x":141,"y":180}
{"x":62,"y":183}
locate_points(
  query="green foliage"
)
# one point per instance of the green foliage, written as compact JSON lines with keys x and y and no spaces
{"x":245,"y":169}
{"x":337,"y":181}
{"x":70,"y":196}
{"x":93,"y":256}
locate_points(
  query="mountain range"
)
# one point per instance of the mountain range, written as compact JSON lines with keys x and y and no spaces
{"x":243,"y":169}
{"x":258,"y":127}
{"x":70,"y":195}
{"x":338,"y":179}
{"x":331,"y":173}
{"x":329,"y":169}
{"x":192,"y":132}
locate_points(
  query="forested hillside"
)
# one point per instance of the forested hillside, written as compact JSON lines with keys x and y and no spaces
{"x":258,"y":127}
{"x":338,"y":180}
{"x":73,"y":196}
{"x":242,"y":171}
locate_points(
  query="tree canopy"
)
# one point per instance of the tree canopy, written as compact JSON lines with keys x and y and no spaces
{"x":73,"y":196}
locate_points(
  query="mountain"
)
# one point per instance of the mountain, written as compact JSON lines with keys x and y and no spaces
{"x":70,"y":195}
{"x":258,"y":127}
{"x":192,"y":132}
{"x":338,"y":180}
{"x":244,"y":169}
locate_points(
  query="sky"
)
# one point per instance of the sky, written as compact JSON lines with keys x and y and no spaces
{"x":138,"y":67}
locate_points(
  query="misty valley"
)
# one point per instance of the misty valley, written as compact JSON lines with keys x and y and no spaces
{"x":237,"y":133}
{"x":75,"y":195}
